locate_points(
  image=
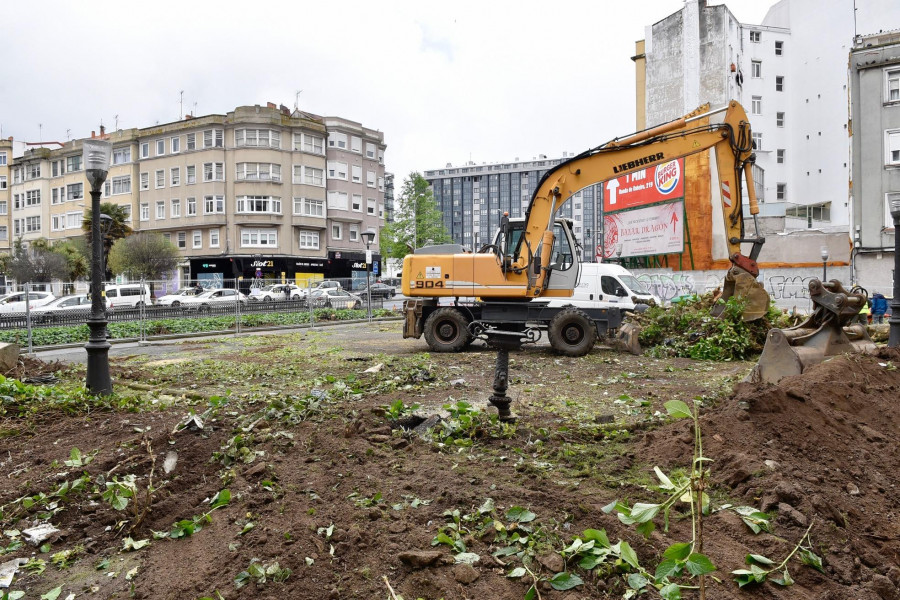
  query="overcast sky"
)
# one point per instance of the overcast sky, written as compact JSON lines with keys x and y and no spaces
{"x":446,"y":82}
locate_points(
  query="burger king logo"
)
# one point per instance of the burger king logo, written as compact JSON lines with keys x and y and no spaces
{"x":667,"y":177}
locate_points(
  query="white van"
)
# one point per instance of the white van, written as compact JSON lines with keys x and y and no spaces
{"x":128,"y":295}
{"x":606,"y":285}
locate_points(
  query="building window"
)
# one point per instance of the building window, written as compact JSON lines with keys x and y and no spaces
{"x":4,"y":233}
{"x":191,"y":174}
{"x":160,"y":209}
{"x":34,"y":171}
{"x":779,"y":119}
{"x":192,"y":141}
{"x":779,"y":83}
{"x":337,"y":200}
{"x":354,"y":233}
{"x":336,"y":231}
{"x":3,"y":162}
{"x":309,"y":240}
{"x":357,"y":173}
{"x":259,"y":204}
{"x":779,"y":48}
{"x":313,"y":176}
{"x":309,"y":143}
{"x":175,"y":144}
{"x":145,"y":181}
{"x":257,"y":137}
{"x":213,"y":171}
{"x":145,"y":150}
{"x":259,"y":238}
{"x":370,"y":206}
{"x":176,"y":208}
{"x":191,"y":207}
{"x":258,"y":172}
{"x":4,"y":207}
{"x":55,"y":168}
{"x":892,"y":85}
{"x":779,"y":156}
{"x":337,"y":170}
{"x":213,"y":138}
{"x":213,"y":238}
{"x":3,"y":182}
{"x":213,"y":205}
{"x":781,"y":191}
{"x":197,"y":239}
{"x":32,"y":224}
{"x":74,"y":191}
{"x":357,"y":203}
{"x":182,"y":240}
{"x":755,"y":36}
{"x":756,"y":105}
{"x":175,"y":176}
{"x":756,"y":68}
{"x":892,"y":147}
{"x":381,"y":184}
{"x":126,"y":209}
{"x":121,"y":184}
{"x":370,"y":151}
{"x":337,"y":140}
{"x":757,"y":141}
{"x":121,"y":156}
{"x":160,"y":178}
{"x":160,"y":147}
{"x":145,"y":211}
{"x":370,"y":178}
{"x":309,"y":207}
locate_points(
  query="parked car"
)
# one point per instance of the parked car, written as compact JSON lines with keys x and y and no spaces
{"x":15,"y":302}
{"x":300,"y":292}
{"x":333,"y":298}
{"x":214,"y":297}
{"x":65,"y":306}
{"x":379,"y":290}
{"x":127,"y":295}
{"x":276,"y":293}
{"x":176,"y":298}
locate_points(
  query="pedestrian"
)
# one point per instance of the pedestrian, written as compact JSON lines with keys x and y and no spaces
{"x":864,"y":313}
{"x":198,"y":289}
{"x":879,"y":308}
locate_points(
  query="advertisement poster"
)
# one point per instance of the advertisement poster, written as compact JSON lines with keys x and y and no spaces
{"x":660,"y":183}
{"x":655,"y":229}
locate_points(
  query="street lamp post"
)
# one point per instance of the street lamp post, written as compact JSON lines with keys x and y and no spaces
{"x":96,"y":157}
{"x":894,"y":321}
{"x":824,"y":263}
{"x":368,"y":238}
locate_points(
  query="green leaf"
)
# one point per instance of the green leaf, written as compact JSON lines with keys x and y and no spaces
{"x":220,"y":499}
{"x":810,"y":558}
{"x":754,"y":575}
{"x":531,"y":594}
{"x":678,"y":409}
{"x":565,"y":581}
{"x":129,"y":544}
{"x":628,"y":555}
{"x":52,"y":594}
{"x":518,"y":514}
{"x":665,"y":569}
{"x":486,"y":507}
{"x":645,"y":529}
{"x":641,"y":512}
{"x":598,"y":536}
{"x":699,"y":564}
{"x":636,"y":581}
{"x":15,"y":595}
{"x":670,"y":592}
{"x":665,"y":482}
{"x":785,"y":580}
{"x":678,"y":552}
{"x":517,"y":572}
{"x":759,"y":559}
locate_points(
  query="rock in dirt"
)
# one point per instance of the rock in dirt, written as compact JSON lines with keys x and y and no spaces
{"x":885,"y":588}
{"x":9,"y":357}
{"x":465,"y":573}
{"x":553,"y":562}
{"x":36,"y":535}
{"x":792,"y":514}
{"x":419,"y":559}
{"x":257,"y":469}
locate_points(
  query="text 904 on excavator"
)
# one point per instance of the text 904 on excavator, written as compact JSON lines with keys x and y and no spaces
{"x":506,"y":285}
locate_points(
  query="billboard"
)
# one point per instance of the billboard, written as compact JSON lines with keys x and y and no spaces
{"x":660,"y":183}
{"x":654,"y":229}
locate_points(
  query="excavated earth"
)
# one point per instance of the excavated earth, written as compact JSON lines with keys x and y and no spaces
{"x":350,"y":502}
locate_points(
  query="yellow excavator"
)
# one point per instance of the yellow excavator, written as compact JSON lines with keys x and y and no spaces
{"x":502,"y":285}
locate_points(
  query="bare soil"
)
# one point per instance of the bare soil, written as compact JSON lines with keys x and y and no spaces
{"x":817,"y":449}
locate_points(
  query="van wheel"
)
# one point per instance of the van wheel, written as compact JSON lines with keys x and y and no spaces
{"x":572,"y":332}
{"x":139,"y":304}
{"x":446,"y":330}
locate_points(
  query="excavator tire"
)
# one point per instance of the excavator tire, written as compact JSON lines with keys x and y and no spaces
{"x":446,"y":330}
{"x":572,"y":332}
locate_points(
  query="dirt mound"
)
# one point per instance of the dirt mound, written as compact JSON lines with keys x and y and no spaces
{"x":819,"y":447}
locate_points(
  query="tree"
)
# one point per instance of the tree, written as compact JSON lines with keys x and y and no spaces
{"x":144,"y":255}
{"x":75,"y":252}
{"x":37,"y":263}
{"x":116,"y":230}
{"x":419,"y":221}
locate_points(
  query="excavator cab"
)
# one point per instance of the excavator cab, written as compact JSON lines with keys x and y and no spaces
{"x":564,"y":266}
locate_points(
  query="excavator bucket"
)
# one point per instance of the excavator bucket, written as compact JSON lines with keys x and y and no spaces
{"x":742,"y":284}
{"x":627,"y":339}
{"x":826,"y":332}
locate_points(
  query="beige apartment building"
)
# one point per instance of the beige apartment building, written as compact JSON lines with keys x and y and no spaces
{"x":5,"y":160}
{"x":258,"y":194}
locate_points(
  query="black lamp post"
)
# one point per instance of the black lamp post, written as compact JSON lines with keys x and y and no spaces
{"x":824,"y":263}
{"x":96,"y":166}
{"x":368,"y":238}
{"x":894,"y":321}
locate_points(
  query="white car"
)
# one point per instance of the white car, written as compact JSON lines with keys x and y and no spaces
{"x":15,"y":303}
{"x":66,"y":305}
{"x":276,"y":293}
{"x":176,"y":298}
{"x":333,"y":298}
{"x":214,"y":297}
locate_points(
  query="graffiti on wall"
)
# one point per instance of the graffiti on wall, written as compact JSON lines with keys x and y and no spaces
{"x":783,"y":287}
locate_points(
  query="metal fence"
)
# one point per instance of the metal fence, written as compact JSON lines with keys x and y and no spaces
{"x":159,"y":309}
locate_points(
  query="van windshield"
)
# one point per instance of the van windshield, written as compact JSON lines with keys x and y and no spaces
{"x":634,"y":284}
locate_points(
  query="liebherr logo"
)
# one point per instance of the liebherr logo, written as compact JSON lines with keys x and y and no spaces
{"x":633,"y":164}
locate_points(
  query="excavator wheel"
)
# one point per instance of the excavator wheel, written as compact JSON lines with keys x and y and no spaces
{"x":446,"y":330}
{"x":572,"y":332}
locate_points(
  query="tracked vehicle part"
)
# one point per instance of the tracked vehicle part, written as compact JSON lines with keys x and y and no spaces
{"x":743,"y":284}
{"x":627,"y":339}
{"x":826,"y":332}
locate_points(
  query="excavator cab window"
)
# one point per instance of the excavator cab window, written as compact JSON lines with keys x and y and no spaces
{"x":561,"y":258}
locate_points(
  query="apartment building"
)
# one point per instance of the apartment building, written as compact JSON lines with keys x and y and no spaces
{"x":6,"y":154}
{"x":247,"y":194}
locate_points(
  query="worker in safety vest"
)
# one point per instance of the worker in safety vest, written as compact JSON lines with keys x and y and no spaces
{"x":864,"y":314}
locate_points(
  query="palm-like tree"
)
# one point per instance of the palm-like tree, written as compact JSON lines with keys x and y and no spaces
{"x":116,"y":229}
